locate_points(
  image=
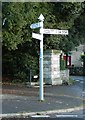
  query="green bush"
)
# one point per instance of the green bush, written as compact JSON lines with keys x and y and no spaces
{"x":62,"y":64}
{"x":20,"y":75}
{"x":83,"y":57}
{"x":17,"y":65}
{"x":71,"y":81}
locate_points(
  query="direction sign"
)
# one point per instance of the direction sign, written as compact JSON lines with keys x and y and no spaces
{"x":37,"y":36}
{"x":54,"y":31}
{"x":36,"y":25}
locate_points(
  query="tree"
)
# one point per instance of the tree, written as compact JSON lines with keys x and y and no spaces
{"x":19,"y":16}
{"x":19,"y":48}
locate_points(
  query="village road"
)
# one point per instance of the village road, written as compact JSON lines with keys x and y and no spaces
{"x":23,"y":99}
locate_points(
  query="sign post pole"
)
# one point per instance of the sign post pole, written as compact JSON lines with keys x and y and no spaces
{"x":41,"y":18}
{"x":40,"y":37}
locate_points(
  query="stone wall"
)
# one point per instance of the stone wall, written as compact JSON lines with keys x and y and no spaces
{"x":51,"y":67}
{"x":64,"y":74}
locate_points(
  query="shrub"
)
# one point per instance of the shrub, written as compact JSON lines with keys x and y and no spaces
{"x":62,"y":64}
{"x":83,"y":58}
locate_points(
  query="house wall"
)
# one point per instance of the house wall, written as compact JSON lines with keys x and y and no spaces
{"x":76,"y":56}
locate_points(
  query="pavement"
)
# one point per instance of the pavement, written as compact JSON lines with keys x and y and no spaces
{"x":23,"y":101}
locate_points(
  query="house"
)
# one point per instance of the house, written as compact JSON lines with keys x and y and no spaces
{"x":76,"y":56}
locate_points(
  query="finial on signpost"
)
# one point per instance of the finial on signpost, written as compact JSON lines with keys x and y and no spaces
{"x":41,"y":17}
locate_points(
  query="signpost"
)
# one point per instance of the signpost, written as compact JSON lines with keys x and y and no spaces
{"x":36,"y":25}
{"x":37,"y":36}
{"x":54,"y":31}
{"x":41,"y":18}
{"x":40,"y":37}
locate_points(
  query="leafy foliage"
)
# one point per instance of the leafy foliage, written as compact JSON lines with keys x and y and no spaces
{"x":62,"y":64}
{"x":20,"y":50}
{"x":83,"y":57}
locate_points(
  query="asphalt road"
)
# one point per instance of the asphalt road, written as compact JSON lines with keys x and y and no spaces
{"x":22,"y":99}
{"x":79,"y":79}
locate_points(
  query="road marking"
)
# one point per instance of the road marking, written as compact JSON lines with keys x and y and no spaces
{"x":66,"y":115}
{"x":18,"y":100}
{"x":77,"y":80}
{"x":42,"y":112}
{"x":40,"y":116}
{"x":59,"y":102}
{"x":81,"y":82}
{"x":83,"y":92}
